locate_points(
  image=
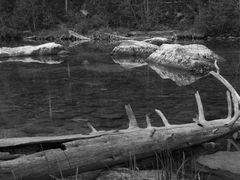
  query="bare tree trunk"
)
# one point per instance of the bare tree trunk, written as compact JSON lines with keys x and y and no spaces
{"x":66,"y":6}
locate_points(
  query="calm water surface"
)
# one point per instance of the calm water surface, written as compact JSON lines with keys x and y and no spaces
{"x":58,"y":98}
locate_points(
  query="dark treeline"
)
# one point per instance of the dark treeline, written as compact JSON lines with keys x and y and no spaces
{"x":213,"y":17}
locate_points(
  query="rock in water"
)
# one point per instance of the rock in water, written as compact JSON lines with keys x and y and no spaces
{"x":134,"y":48}
{"x":157,"y":41}
{"x":44,"y":49}
{"x":224,"y":163}
{"x":194,"y":57}
{"x":124,"y":173}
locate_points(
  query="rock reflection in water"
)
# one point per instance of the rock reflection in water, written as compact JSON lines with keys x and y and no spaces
{"x":129,"y":62}
{"x":41,"y":60}
{"x":180,"y":77}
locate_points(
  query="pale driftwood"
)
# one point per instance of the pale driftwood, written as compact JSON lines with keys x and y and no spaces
{"x":223,"y":163}
{"x":78,"y":36}
{"x":104,"y":149}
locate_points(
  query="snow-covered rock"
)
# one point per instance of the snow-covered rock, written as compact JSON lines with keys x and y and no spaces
{"x":194,"y":57}
{"x":44,"y":49}
{"x":133,"y":48}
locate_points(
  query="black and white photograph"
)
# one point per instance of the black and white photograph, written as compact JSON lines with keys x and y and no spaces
{"x":119,"y":89}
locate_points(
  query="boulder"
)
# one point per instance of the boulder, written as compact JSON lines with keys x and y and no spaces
{"x":134,"y":48}
{"x":194,"y":57}
{"x":124,"y":173}
{"x":44,"y":49}
{"x":157,"y":40}
{"x":222,"y":163}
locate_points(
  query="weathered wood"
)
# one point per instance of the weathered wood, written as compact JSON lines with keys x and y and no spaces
{"x":77,"y":36}
{"x":101,"y":150}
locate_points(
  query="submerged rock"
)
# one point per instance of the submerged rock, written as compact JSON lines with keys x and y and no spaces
{"x":124,"y":173}
{"x":44,"y":49}
{"x":157,"y":40}
{"x":223,"y":163}
{"x":129,"y":62}
{"x":133,"y":48}
{"x":180,"y":77}
{"x":194,"y":57}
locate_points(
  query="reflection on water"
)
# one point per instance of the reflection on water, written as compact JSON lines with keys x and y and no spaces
{"x":129,"y":62}
{"x":180,"y":77}
{"x":41,"y":59}
{"x":43,"y":99}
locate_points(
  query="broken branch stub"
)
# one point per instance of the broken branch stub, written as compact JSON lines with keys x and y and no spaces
{"x":131,"y":117}
{"x":235,"y":99}
{"x":92,"y":128}
{"x":229,"y":101}
{"x":148,"y":121}
{"x":201,"y":118}
{"x":162,"y":116}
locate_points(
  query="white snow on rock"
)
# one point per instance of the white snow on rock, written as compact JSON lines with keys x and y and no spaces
{"x":194,"y":57}
{"x":44,"y":49}
{"x":134,"y":48}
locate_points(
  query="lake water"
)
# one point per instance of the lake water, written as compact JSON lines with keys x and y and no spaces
{"x":59,"y":98}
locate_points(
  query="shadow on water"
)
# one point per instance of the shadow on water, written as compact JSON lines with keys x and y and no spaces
{"x":52,"y":99}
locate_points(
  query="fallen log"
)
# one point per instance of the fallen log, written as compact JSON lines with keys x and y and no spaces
{"x":43,"y":49}
{"x":104,"y":36}
{"x":77,"y":36}
{"x":104,"y":149}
